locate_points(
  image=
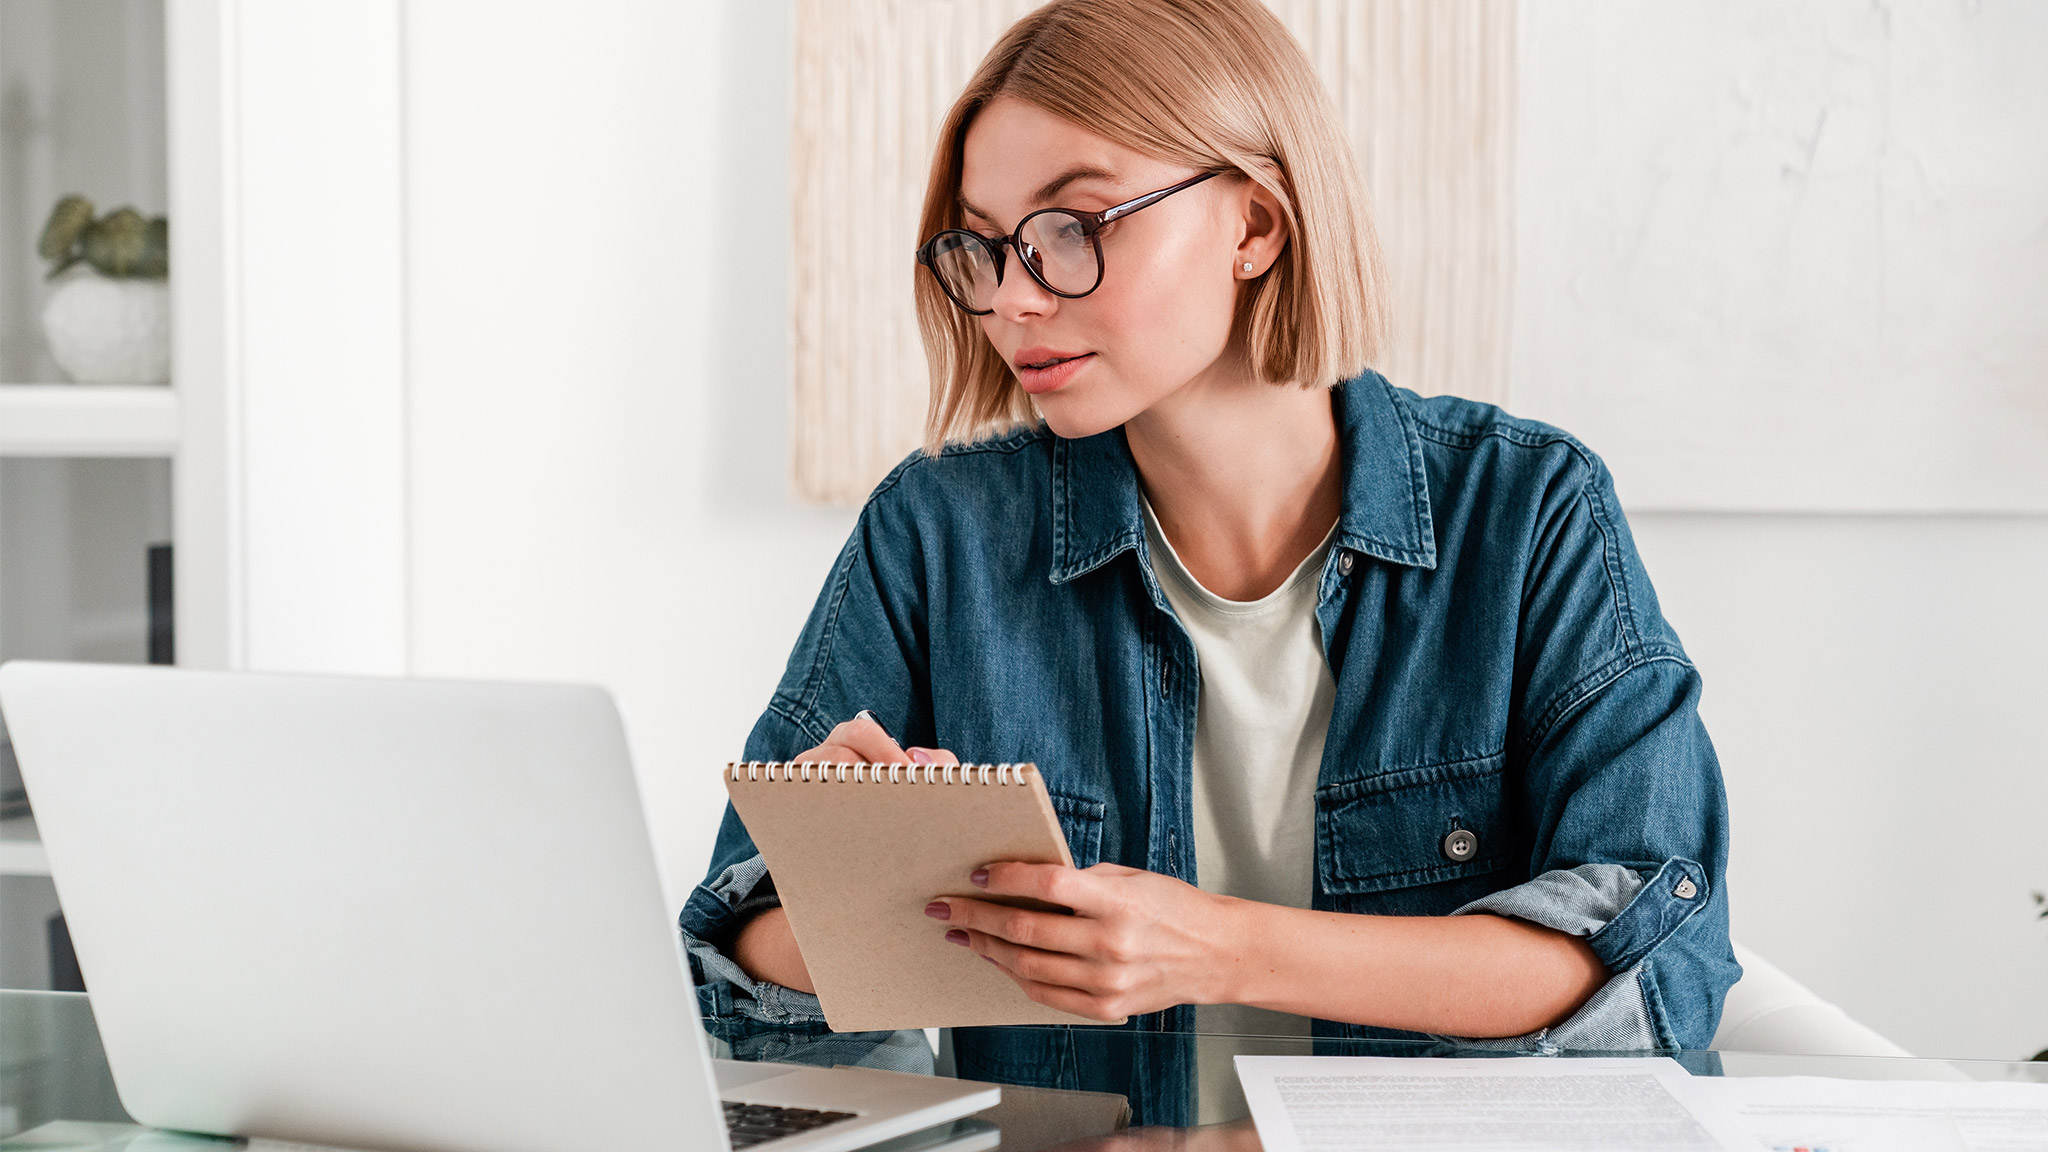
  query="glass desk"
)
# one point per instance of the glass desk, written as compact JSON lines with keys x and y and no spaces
{"x":56,"y":1092}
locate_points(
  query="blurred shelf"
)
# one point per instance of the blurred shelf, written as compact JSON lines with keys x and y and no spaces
{"x":88,"y":420}
{"x":21,"y":850}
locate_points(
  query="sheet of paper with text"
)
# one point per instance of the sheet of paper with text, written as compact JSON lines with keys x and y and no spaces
{"x":1530,"y":1104}
{"x":1885,"y":1115}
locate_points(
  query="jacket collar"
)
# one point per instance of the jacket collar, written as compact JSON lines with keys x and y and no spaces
{"x":1096,"y":514}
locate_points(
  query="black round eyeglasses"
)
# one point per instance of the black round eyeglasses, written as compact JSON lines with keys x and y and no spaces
{"x":1060,"y":247}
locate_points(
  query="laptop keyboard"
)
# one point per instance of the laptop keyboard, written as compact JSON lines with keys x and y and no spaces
{"x":751,"y":1124}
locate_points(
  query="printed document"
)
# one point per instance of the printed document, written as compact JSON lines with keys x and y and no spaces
{"x":1529,"y":1104}
{"x":1885,"y":1115}
{"x":1360,"y":1103}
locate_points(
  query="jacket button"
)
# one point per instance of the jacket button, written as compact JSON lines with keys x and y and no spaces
{"x":1461,"y":845}
{"x":1344,"y":562}
{"x":1685,"y":889}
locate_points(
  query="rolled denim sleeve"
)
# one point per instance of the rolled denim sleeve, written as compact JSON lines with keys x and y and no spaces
{"x":1576,"y":901}
{"x":1587,"y":901}
{"x":738,"y":886}
{"x":715,"y":909}
{"x":859,"y":649}
{"x":1624,"y":812}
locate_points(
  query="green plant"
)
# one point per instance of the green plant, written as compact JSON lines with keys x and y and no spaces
{"x":122,"y":243}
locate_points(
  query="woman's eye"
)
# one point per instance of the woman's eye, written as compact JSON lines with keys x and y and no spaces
{"x":1065,"y":234}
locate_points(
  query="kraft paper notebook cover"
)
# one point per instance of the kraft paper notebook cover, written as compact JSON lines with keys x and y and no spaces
{"x":858,"y":850}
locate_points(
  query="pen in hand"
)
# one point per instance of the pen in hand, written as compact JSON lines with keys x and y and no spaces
{"x":863,"y":723}
{"x":870,"y":717}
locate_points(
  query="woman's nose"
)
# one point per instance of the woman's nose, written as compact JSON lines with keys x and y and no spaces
{"x":1019,"y":295}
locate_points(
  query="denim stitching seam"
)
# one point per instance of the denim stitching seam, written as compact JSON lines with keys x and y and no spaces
{"x":1062,"y":507}
{"x":1413,"y":876}
{"x":1582,"y":690}
{"x":1463,"y":767}
{"x":842,"y":579}
{"x":1418,"y":478}
{"x":1617,"y":577}
{"x":802,"y":719}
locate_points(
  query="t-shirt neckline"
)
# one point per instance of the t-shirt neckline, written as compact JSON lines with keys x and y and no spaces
{"x":1178,"y":570}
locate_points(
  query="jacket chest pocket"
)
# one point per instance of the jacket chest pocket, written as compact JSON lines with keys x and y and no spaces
{"x":1081,"y":820}
{"x":1415,"y":841}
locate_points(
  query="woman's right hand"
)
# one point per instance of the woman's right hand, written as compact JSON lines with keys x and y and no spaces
{"x":764,"y":947}
{"x":862,"y":740}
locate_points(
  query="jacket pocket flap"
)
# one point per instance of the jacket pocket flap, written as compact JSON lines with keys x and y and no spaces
{"x":1413,"y":826}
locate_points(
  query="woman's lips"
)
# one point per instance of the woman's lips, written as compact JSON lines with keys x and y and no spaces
{"x":1048,"y":379}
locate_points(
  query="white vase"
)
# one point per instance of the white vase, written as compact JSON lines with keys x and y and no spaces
{"x":107,"y":331}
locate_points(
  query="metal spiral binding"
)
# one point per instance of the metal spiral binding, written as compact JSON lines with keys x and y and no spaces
{"x":850,"y":772}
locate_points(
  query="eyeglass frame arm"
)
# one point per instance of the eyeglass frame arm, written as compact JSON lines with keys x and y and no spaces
{"x":1091,"y":223}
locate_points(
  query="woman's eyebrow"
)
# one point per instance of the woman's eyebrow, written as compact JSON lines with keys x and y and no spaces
{"x":1052,"y":188}
{"x":1078,"y":172}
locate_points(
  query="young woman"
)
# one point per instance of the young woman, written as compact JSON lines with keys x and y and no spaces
{"x":1356,"y":707}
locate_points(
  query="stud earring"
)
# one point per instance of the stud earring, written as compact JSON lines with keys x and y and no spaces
{"x":1247,"y":267}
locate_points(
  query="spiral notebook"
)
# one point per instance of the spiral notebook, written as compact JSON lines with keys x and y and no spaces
{"x":858,"y":850}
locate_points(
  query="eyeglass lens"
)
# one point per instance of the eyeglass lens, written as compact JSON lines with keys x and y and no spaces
{"x":1055,"y":245}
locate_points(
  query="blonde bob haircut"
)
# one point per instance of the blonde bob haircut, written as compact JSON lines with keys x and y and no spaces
{"x":1212,"y":85}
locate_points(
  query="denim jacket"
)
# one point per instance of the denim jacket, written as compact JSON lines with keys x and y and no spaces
{"x":1503,"y":675}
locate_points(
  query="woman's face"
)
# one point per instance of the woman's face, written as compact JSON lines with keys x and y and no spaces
{"x":1161,"y":317}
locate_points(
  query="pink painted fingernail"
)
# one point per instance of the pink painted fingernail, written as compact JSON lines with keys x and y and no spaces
{"x":978,"y":877}
{"x":919,"y":756}
{"x":939,"y":910}
{"x":956,"y":936}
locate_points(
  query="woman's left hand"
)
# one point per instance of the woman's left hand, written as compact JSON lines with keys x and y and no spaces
{"x":1137,"y":941}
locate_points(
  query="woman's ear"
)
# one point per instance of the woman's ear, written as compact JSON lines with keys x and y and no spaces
{"x":1265,"y":231}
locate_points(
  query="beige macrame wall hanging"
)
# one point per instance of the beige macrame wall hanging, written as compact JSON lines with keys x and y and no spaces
{"x":1426,"y":89}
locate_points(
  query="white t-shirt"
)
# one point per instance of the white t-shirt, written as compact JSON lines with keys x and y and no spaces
{"x":1264,"y":711}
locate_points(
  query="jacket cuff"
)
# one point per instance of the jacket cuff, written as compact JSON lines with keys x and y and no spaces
{"x":1670,"y":898}
{"x":1623,"y":918}
{"x":1576,"y":901}
{"x":723,"y":987}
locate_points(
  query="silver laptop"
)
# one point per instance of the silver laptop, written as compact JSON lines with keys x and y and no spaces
{"x":403,"y":914}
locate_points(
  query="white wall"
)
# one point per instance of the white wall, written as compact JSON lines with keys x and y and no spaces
{"x":597,"y":371}
{"x":314,"y":183}
{"x":597,"y":222}
{"x":1875,"y":688}
{"x":1794,"y":257}
{"x":1806,"y":243}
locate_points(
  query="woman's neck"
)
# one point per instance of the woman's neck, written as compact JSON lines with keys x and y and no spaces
{"x":1245,"y":478}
